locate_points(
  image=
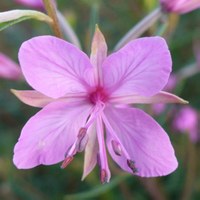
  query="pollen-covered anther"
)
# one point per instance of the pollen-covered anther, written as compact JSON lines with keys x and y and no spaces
{"x":103,"y":176}
{"x":116,"y":147}
{"x":131,"y":165}
{"x":82,"y":140}
{"x":66,"y":162}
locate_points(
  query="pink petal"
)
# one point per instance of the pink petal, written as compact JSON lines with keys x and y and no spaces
{"x":48,"y":135}
{"x":180,"y":6}
{"x":186,"y":121}
{"x":55,"y":67}
{"x":31,"y":3}
{"x":145,"y":142}
{"x":158,"y":108}
{"x":32,"y":98}
{"x":161,"y":97}
{"x":91,"y":151}
{"x":98,"y":53}
{"x":9,"y":69}
{"x":143,"y":67}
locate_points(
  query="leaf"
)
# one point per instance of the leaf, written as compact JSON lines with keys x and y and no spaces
{"x":12,"y":17}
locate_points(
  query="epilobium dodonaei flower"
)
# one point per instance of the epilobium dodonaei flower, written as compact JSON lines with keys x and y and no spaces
{"x":82,"y":97}
{"x":180,"y":6}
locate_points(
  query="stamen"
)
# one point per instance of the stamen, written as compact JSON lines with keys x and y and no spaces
{"x":82,"y":132}
{"x":114,"y":135}
{"x":131,"y":165}
{"x":102,"y":160}
{"x":68,"y":151}
{"x":66,"y":162}
{"x":82,"y":140}
{"x":103,"y":176}
{"x":99,"y":107}
{"x":116,"y":147}
{"x":98,"y":160}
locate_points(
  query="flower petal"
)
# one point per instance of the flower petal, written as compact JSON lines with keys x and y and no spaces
{"x":48,"y":135}
{"x":55,"y":67}
{"x":141,"y":67}
{"x":91,"y":151}
{"x":9,"y":69}
{"x":31,"y":3}
{"x":98,"y":53}
{"x":32,"y":98}
{"x":161,"y":97}
{"x":143,"y":140}
{"x":180,"y":6}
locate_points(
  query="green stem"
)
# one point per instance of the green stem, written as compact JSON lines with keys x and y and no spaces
{"x":140,"y":28}
{"x":154,"y":188}
{"x":191,"y":171}
{"x":187,"y":71}
{"x":94,"y":19}
{"x":51,"y":11}
{"x":68,"y":31}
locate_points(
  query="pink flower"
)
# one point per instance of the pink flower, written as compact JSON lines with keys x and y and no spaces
{"x":180,"y":6}
{"x":9,"y":69}
{"x":81,"y":97}
{"x":31,"y":3}
{"x":186,"y":121}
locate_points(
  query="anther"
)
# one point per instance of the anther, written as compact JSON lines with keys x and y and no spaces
{"x":82,"y":132}
{"x":103,"y":176}
{"x":67,"y":153}
{"x":131,"y":165}
{"x":82,"y":140}
{"x":116,"y":147}
{"x":66,"y":162}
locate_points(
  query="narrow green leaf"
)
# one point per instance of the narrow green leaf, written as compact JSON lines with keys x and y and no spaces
{"x":12,"y":17}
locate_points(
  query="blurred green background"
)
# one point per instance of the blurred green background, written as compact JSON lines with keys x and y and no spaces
{"x":115,"y":18}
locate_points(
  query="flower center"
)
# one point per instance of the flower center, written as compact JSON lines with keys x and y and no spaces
{"x":98,"y":95}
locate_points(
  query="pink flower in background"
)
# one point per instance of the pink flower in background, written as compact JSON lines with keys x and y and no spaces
{"x":82,"y":96}
{"x":186,"y":121}
{"x":180,"y":6}
{"x":9,"y":69}
{"x":31,"y":3}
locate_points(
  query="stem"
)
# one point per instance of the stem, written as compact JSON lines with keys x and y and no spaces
{"x":51,"y":11}
{"x":68,"y":31}
{"x":140,"y":28}
{"x":154,"y":188}
{"x":187,"y":71}
{"x":94,"y":17}
{"x":191,"y":171}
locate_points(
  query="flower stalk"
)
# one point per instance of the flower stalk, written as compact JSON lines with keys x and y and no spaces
{"x":68,"y":32}
{"x":140,"y":28}
{"x":51,"y":11}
